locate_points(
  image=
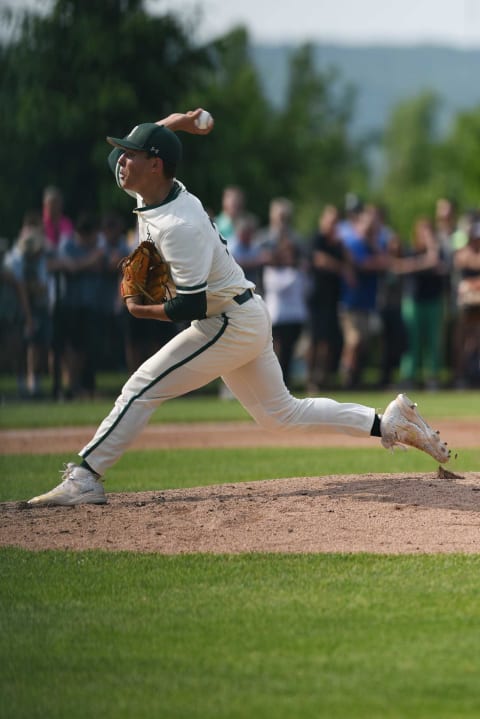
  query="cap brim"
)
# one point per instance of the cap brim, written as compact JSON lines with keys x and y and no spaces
{"x":122,"y":143}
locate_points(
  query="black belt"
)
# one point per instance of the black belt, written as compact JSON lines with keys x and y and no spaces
{"x":244,"y":297}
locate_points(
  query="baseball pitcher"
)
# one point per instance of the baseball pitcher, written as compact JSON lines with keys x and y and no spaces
{"x":181,"y":271}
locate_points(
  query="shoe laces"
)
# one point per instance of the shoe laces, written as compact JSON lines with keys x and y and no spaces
{"x":67,"y":471}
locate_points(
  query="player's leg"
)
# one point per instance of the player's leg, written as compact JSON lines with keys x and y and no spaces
{"x":172,"y":371}
{"x":190,"y":360}
{"x":260,"y":388}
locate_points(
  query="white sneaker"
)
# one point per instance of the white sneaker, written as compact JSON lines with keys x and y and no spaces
{"x":79,"y":486}
{"x":401,"y":424}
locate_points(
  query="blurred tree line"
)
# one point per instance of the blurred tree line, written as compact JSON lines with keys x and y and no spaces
{"x":86,"y":69}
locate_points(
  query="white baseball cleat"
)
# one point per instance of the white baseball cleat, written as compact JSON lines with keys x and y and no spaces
{"x":79,"y":486}
{"x":401,"y":424}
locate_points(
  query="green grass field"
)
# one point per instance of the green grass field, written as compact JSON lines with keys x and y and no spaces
{"x":95,"y":634}
{"x":291,"y":637}
{"x":210,"y":409}
{"x":26,"y":475}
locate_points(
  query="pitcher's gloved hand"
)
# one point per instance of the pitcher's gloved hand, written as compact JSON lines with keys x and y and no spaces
{"x":145,"y":273}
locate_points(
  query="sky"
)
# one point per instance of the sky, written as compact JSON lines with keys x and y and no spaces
{"x":454,"y":23}
{"x":448,"y":22}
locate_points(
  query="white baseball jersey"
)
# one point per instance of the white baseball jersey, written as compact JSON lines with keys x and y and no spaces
{"x":190,"y":244}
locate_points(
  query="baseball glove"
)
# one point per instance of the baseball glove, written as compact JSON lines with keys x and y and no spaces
{"x":145,"y":273}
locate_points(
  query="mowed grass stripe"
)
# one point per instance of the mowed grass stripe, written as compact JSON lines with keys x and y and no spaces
{"x":433,"y":405}
{"x":120,"y":635}
{"x":21,"y":476}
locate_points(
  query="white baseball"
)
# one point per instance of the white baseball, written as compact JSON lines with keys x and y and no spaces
{"x":204,"y":120}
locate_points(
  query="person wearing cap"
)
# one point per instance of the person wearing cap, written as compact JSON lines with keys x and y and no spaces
{"x":229,"y":334}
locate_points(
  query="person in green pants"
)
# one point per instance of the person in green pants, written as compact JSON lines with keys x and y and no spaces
{"x":423,"y":308}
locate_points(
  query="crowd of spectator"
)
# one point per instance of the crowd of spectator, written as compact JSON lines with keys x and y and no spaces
{"x":62,"y":315}
{"x":352,"y":296}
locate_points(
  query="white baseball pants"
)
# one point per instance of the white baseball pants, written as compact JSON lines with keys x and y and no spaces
{"x":236,"y":345}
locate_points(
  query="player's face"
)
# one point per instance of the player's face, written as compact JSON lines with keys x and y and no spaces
{"x":135,"y":170}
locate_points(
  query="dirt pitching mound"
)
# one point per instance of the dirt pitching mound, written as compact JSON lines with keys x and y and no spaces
{"x":394,"y":514}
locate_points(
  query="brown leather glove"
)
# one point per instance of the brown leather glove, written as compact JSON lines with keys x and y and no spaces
{"x":145,"y":273}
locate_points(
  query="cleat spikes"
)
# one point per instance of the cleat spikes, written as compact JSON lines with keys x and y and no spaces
{"x":401,"y":424}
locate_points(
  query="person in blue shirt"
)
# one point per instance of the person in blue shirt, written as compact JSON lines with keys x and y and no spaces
{"x":358,"y":304}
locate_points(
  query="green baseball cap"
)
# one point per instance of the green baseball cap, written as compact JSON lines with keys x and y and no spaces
{"x":152,"y":138}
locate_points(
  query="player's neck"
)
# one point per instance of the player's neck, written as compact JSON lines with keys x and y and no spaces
{"x":158,"y":193}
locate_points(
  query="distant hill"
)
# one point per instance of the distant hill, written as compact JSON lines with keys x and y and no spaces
{"x":383,"y":76}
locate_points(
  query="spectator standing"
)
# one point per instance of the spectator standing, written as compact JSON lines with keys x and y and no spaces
{"x":330,"y":262}
{"x":467,"y":262}
{"x":58,"y":228}
{"x":423,"y":308}
{"x":465,"y":221}
{"x":279,"y":228}
{"x":111,"y":311}
{"x":15,"y":320}
{"x":249,"y":256}
{"x":285,"y":285}
{"x":449,"y":239}
{"x":82,"y":259}
{"x":28,"y":260}
{"x":446,"y":226}
{"x":389,"y":303}
{"x":353,"y":208}
{"x":233,"y":206}
{"x":280,"y":225}
{"x":359,"y":316}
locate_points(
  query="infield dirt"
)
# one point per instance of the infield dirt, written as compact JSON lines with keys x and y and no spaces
{"x":433,"y":512}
